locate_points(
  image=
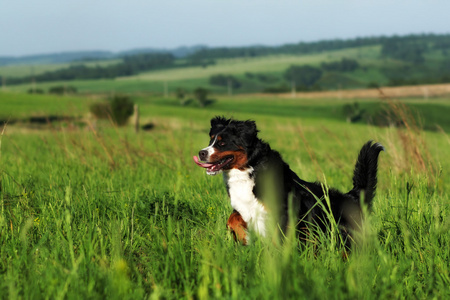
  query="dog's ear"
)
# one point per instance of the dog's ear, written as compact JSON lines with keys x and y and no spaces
{"x":248,"y":131}
{"x":218,"y":123}
{"x":250,"y":127}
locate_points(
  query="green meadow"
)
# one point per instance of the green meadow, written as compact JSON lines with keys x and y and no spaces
{"x":94,"y":211}
{"x":189,"y":78}
{"x":26,"y":69}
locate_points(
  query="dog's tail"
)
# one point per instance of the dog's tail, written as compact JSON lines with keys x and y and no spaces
{"x":365,"y":173}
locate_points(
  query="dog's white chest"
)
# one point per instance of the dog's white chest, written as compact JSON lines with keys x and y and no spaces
{"x":240,"y":188}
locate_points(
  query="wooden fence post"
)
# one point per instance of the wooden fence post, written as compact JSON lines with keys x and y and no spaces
{"x":136,"y":118}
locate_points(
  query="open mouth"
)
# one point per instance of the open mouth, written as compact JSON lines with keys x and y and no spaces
{"x":213,"y":168}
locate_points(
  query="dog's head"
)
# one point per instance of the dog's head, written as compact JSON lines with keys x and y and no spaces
{"x":229,"y":147}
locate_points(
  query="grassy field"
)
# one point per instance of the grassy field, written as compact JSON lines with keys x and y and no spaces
{"x":190,"y":78}
{"x":22,"y":70}
{"x":17,"y":105}
{"x":253,"y":74}
{"x":108,"y":213}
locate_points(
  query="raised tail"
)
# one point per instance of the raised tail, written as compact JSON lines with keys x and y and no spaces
{"x":365,"y":173}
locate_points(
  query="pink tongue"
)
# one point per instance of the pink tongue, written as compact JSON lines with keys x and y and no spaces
{"x":203,"y":165}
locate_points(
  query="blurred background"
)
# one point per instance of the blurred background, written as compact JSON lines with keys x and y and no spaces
{"x":192,"y":53}
{"x":224,"y":46}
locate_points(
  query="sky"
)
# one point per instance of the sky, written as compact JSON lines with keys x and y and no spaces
{"x":50,"y":26}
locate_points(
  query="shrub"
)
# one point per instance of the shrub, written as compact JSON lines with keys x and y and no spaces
{"x":35,"y":91}
{"x":101,"y":110}
{"x":122,"y":108}
{"x":201,"y":94}
{"x":353,"y":112}
{"x":119,"y":109}
{"x":62,"y":89}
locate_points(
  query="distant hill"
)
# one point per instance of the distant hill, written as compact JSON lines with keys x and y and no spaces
{"x":425,"y":41}
{"x":54,"y":58}
{"x":177,"y":52}
{"x":84,"y":56}
{"x":202,"y":52}
{"x":322,"y":65}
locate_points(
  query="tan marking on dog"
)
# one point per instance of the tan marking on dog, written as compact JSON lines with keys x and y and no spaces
{"x":239,"y":161}
{"x":238,"y":227}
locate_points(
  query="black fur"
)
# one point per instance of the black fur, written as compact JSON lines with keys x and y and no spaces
{"x":268,"y":165}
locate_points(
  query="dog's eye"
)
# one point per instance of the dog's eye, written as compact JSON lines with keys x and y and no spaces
{"x":222,"y":144}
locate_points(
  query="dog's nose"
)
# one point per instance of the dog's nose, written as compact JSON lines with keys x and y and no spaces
{"x":203,"y":154}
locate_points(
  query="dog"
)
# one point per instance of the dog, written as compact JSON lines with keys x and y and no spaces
{"x":262,"y":187}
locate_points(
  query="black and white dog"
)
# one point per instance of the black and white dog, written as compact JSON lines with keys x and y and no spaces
{"x":260,"y":184}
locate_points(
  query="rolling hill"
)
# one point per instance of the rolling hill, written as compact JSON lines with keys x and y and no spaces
{"x":375,"y":62}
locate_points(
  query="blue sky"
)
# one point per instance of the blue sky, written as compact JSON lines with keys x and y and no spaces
{"x":48,"y":26}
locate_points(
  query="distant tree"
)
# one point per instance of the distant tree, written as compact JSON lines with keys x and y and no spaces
{"x":201,"y":94}
{"x":410,"y":51}
{"x":442,"y":44}
{"x":249,"y":75}
{"x":348,"y":65}
{"x":130,"y":65}
{"x":262,"y":77}
{"x":266,"y":78}
{"x":303,"y":76}
{"x":147,"y":61}
{"x":344,"y":65}
{"x":373,"y":85}
{"x":224,"y":80}
{"x":283,"y":88}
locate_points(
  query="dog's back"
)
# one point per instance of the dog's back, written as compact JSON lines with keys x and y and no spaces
{"x":294,"y":196}
{"x":345,"y":207}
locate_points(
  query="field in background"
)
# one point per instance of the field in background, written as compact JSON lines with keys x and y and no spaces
{"x":94,"y":211}
{"x":432,"y":112}
{"x":273,"y":67}
{"x":421,"y":92}
{"x":267,"y":64}
{"x":21,"y":70}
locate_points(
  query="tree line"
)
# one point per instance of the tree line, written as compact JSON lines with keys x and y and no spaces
{"x":410,"y":49}
{"x":422,"y":41}
{"x":130,"y":65}
{"x":303,"y":77}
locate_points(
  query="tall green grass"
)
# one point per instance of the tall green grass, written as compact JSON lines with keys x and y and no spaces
{"x":107,"y":213}
{"x":18,"y":105}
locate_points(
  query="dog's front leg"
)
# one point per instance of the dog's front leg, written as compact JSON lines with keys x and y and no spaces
{"x":238,"y":227}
